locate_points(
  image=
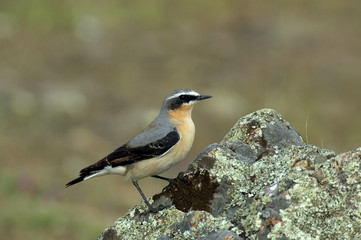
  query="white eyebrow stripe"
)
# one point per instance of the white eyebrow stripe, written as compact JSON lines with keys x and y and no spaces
{"x":184,"y":93}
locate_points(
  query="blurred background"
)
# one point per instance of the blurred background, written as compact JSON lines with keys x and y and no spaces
{"x":80,"y":78}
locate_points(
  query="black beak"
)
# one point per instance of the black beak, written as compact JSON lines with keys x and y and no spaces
{"x":202,"y":97}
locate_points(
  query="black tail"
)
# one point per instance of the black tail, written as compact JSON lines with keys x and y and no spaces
{"x":76,"y":180}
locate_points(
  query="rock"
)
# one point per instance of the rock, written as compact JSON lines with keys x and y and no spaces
{"x":260,"y":182}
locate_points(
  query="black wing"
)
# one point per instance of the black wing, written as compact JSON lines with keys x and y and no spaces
{"x":154,"y":149}
{"x":151,"y":150}
{"x":125,"y":155}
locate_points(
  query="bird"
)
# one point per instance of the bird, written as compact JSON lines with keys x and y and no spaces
{"x":162,"y":144}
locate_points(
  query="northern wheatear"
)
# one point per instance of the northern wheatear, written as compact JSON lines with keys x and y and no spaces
{"x":164,"y":143}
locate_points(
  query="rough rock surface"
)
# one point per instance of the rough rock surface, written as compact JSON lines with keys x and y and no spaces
{"x":261,"y":182}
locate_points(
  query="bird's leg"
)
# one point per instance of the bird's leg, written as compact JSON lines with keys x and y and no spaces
{"x":171,"y":181}
{"x":135,"y":182}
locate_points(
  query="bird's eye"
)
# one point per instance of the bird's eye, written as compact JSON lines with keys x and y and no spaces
{"x":182,"y":97}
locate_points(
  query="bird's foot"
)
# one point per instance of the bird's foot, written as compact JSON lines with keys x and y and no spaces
{"x":170,"y":180}
{"x":184,"y":178}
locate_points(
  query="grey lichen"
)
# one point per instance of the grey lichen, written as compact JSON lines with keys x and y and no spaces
{"x":149,"y":227}
{"x":170,"y":223}
{"x":261,"y":129}
{"x":328,"y":207}
{"x":260,"y":182}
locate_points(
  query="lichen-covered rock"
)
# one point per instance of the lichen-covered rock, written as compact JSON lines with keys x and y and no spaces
{"x":260,"y":182}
